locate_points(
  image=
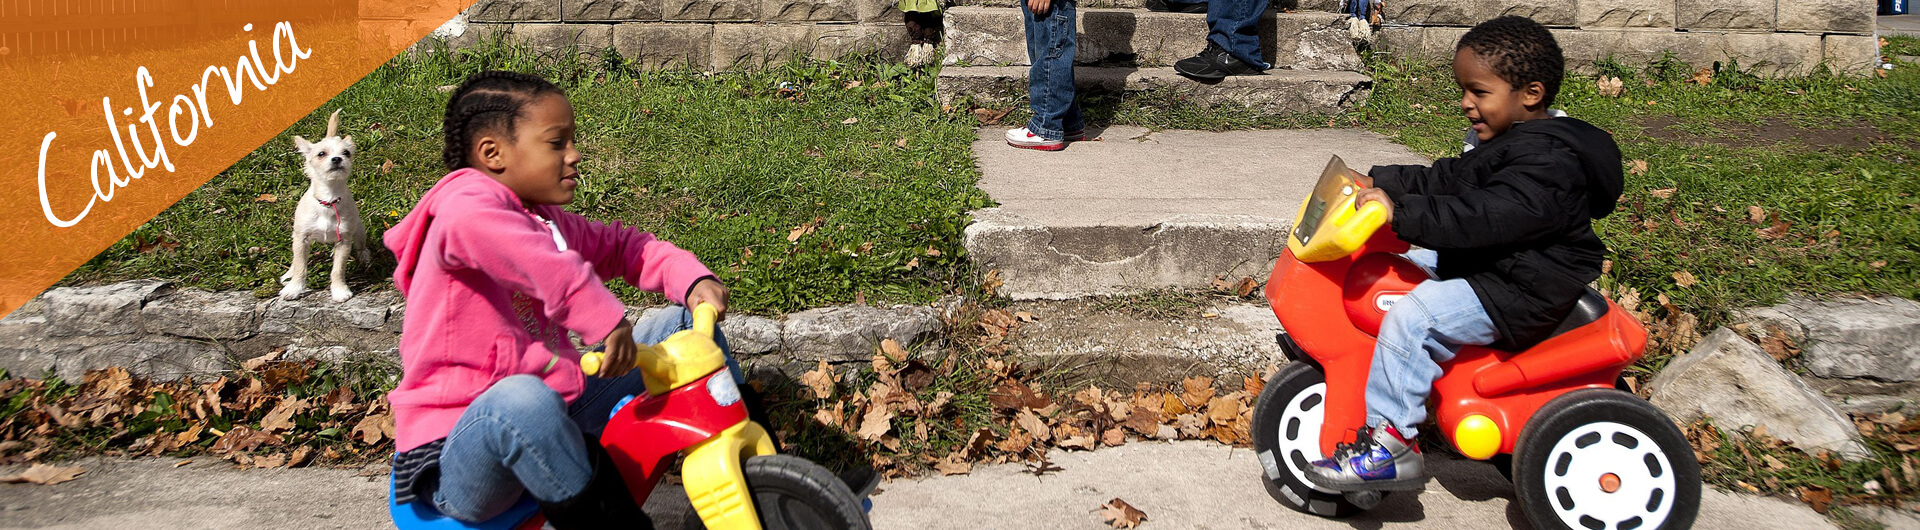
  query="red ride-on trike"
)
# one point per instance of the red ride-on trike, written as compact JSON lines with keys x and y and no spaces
{"x":1580,"y":452}
{"x":693,"y":410}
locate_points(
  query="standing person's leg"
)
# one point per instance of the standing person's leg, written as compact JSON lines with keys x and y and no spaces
{"x":1233,"y":41}
{"x":1050,"y":90}
{"x":511,"y":439}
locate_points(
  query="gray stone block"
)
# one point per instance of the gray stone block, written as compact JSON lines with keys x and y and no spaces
{"x":1730,"y":380}
{"x":853,"y":333}
{"x":711,"y":10}
{"x":751,"y":335}
{"x":1546,"y":12}
{"x":658,"y":46}
{"x":1828,"y":16}
{"x":878,"y":11}
{"x":586,"y":39}
{"x":836,"y":41}
{"x":1432,"y":12}
{"x":153,"y":356}
{"x":1756,"y":15}
{"x":757,"y":45}
{"x":513,"y":10}
{"x":993,"y":36}
{"x":196,"y":313}
{"x":26,"y":323}
{"x":1850,"y":339}
{"x":1624,"y":13}
{"x":611,"y":10}
{"x":313,"y":312}
{"x":112,"y":309}
{"x":1851,"y":54}
{"x":808,"y":11}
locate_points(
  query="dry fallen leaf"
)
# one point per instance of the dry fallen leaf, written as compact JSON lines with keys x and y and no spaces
{"x":1662,"y":193}
{"x":1024,"y":316}
{"x":1612,"y":87}
{"x":1684,"y":279}
{"x":850,"y":121}
{"x":1703,"y":76}
{"x":820,"y":380}
{"x":266,"y":197}
{"x":281,"y":417}
{"x":1638,"y":167}
{"x":386,"y":167}
{"x":1119,"y":514}
{"x":373,"y":428}
{"x":1756,"y":215}
{"x":953,"y":464}
{"x":1818,"y":497}
{"x":1245,"y":286}
{"x":876,"y":423}
{"x":1033,"y":424}
{"x":45,"y":475}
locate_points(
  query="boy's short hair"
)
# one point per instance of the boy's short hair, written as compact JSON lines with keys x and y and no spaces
{"x":1520,"y":51}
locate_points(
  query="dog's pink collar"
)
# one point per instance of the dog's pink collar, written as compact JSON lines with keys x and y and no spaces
{"x":339,"y":225}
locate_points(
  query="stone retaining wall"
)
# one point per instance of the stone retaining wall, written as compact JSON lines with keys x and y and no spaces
{"x":697,"y":34}
{"x":153,"y":329}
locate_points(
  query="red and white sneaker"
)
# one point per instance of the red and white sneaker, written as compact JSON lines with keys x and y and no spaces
{"x":1025,"y":139}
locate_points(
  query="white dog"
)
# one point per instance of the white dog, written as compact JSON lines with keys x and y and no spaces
{"x":326,"y":213}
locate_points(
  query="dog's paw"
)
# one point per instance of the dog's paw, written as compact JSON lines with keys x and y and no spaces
{"x":286,"y":278}
{"x":341,"y":293}
{"x":293,"y":290}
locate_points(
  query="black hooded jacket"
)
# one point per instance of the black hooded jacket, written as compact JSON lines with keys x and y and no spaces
{"x":1515,"y":218}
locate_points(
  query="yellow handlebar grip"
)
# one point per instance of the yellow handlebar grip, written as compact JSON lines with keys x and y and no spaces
{"x":704,"y":316}
{"x":590,"y":363}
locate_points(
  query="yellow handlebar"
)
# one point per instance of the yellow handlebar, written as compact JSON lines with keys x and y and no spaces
{"x":682,"y":358}
{"x":704,"y":317}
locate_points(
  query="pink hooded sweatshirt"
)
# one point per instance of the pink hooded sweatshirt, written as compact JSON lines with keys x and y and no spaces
{"x":491,"y":292}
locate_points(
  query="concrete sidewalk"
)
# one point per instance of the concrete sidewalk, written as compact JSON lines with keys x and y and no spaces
{"x":1178,"y":485}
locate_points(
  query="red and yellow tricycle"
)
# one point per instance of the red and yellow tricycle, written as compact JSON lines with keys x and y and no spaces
{"x":1581,"y":452}
{"x":693,"y":409}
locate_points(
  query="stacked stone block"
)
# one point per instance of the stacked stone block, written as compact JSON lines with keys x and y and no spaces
{"x":696,"y":34}
{"x":1767,"y":37}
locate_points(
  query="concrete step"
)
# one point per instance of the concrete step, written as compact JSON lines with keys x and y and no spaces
{"x":1275,"y":92}
{"x":1301,"y":40}
{"x":1116,"y":342}
{"x":1134,"y":210}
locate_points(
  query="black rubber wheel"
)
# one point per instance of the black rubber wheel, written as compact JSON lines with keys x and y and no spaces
{"x":1286,"y":437}
{"x":1504,"y":463}
{"x":793,"y":493}
{"x":1605,"y":459}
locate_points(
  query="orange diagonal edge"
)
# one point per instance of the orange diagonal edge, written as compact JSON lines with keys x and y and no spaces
{"x":110,"y":117}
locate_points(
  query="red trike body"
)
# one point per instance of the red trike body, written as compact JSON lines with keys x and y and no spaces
{"x":1331,"y":310}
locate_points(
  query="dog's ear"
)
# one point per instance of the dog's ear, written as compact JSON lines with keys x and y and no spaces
{"x":349,"y":141}
{"x":302,"y":144}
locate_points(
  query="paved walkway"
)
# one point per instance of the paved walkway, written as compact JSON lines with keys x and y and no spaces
{"x":1179,"y":485}
{"x":1900,"y":24}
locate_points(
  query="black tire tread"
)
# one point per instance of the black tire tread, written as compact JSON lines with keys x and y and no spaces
{"x":1266,"y":417}
{"x":831,"y":497}
{"x":1596,"y":404}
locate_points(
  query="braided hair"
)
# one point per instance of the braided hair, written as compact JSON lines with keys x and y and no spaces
{"x":1520,"y":51}
{"x":487,"y":102}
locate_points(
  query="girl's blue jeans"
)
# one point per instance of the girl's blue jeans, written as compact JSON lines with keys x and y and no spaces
{"x":520,"y":436}
{"x":1422,"y":330}
{"x":1050,"y":90}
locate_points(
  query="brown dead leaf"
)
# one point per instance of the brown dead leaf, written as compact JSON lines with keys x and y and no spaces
{"x":243,"y":439}
{"x":1611,"y":87}
{"x":1684,"y":279}
{"x":1113,"y":437}
{"x":990,"y":116}
{"x":281,"y":417}
{"x":1198,"y":391}
{"x":1662,"y":193}
{"x":900,"y":143}
{"x":1012,"y":395}
{"x":876,"y":423}
{"x":1777,"y":230}
{"x":386,"y":167}
{"x":300,"y":457}
{"x":266,"y":197}
{"x":850,"y":121}
{"x":835,"y":418}
{"x":1703,"y":77}
{"x":1819,"y":498}
{"x":953,"y":464}
{"x":1032,"y":423}
{"x":45,"y":475}
{"x":1245,"y":286}
{"x":1756,"y":215}
{"x":893,"y":351}
{"x":1638,"y":167}
{"x":1119,"y":514}
{"x":802,"y":230}
{"x":374,"y":428}
{"x":819,"y":380}
{"x":269,"y":461}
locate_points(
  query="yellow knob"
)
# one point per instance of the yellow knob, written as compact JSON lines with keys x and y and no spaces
{"x":1477,"y":437}
{"x":590,"y":363}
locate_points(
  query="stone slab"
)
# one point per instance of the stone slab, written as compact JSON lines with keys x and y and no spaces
{"x":1827,"y":16}
{"x":1546,"y":12}
{"x":853,"y":333}
{"x":1113,"y":346}
{"x":1202,"y":485}
{"x":1751,"y":15}
{"x":760,"y":45}
{"x":1274,"y":92}
{"x":994,"y":36}
{"x":197,"y":313}
{"x":711,"y":10}
{"x":611,"y":10}
{"x":808,"y":10}
{"x":1129,"y":212}
{"x":1735,"y":384}
{"x":1848,"y":339}
{"x":513,"y":10}
{"x":112,"y":309}
{"x":658,"y":46}
{"x":585,"y":39}
{"x":1857,"y":55}
{"x":1624,"y":13}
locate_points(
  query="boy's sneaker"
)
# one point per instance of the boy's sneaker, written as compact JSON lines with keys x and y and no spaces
{"x":1378,"y":460}
{"x":1025,"y":139}
{"x":1213,"y":63}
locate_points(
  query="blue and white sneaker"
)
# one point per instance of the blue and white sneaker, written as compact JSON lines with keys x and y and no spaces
{"x":1378,"y":460}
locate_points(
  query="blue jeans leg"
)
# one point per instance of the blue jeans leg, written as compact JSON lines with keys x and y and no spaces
{"x":1234,"y":25}
{"x":1051,"y":44}
{"x":596,"y":401}
{"x":1422,"y":330}
{"x":512,"y":439}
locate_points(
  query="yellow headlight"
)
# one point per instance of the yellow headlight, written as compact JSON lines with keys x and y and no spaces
{"x":1477,"y":437}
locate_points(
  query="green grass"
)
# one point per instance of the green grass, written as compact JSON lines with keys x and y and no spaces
{"x":1901,"y":45}
{"x":724,"y":165}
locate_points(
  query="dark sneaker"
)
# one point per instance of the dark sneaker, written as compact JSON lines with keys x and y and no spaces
{"x":1213,"y":63}
{"x":1378,"y":460}
{"x":1166,"y":6}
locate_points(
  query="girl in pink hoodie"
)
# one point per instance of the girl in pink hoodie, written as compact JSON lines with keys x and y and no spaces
{"x":492,"y":403}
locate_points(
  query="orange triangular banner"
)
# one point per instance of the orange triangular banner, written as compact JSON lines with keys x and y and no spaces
{"x":116,"y":110}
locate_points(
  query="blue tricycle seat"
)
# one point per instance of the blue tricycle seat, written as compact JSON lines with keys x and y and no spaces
{"x":421,"y":515}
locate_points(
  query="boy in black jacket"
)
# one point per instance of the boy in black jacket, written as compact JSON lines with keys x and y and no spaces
{"x":1510,"y":228}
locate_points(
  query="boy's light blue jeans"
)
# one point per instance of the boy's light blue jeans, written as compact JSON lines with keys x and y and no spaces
{"x":1422,"y":330}
{"x":521,"y":436}
{"x":1051,"y":44}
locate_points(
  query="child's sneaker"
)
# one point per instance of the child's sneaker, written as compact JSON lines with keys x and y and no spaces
{"x":1025,"y":139}
{"x":1378,"y":460}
